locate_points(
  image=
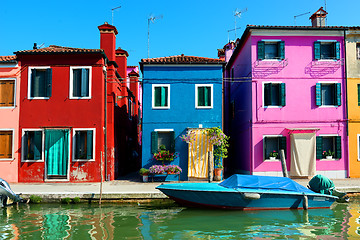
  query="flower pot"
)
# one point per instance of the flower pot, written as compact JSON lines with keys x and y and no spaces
{"x":145,"y":178}
{"x":329,"y":157}
{"x":272,"y":158}
{"x":217,"y":174}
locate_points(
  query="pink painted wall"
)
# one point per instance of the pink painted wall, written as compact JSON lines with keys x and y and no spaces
{"x":300,"y":73}
{"x":10,"y":120}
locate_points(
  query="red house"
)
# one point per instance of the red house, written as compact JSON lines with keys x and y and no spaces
{"x":69,"y":97}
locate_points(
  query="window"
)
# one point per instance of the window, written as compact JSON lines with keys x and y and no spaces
{"x":271,"y":49}
{"x":358,"y":51}
{"x":274,"y":94}
{"x":161,"y":96}
{"x":328,"y":94}
{"x":6,"y":144}
{"x":162,"y":137}
{"x":40,"y":79}
{"x":7,"y":92}
{"x":203,"y":95}
{"x":32,"y":145}
{"x":83,"y":145}
{"x":130,"y":108}
{"x":358,"y":90}
{"x":325,"y":50}
{"x":80,"y":82}
{"x":273,"y":144}
{"x":326,"y":144}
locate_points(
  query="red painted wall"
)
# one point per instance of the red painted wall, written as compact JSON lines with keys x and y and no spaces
{"x":60,"y":111}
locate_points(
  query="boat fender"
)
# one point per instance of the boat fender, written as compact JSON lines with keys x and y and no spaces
{"x":252,"y":196}
{"x":305,"y":202}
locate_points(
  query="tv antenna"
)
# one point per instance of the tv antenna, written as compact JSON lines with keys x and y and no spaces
{"x":238,"y":14}
{"x":112,"y":14}
{"x":151,"y":19}
{"x":299,"y":16}
{"x":231,"y":31}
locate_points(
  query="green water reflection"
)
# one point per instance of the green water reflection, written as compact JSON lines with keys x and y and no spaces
{"x":113,"y":221}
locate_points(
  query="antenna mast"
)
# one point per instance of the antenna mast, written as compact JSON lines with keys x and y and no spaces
{"x":299,"y":16}
{"x":238,"y":14}
{"x":151,"y":19}
{"x":112,"y":14}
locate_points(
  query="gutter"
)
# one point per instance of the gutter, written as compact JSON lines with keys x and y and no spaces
{"x":105,"y":120}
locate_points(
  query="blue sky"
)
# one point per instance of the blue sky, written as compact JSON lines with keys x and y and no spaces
{"x":190,"y":27}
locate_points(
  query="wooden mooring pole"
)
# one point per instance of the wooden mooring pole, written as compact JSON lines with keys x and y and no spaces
{"x":283,"y":163}
{"x":210,"y":166}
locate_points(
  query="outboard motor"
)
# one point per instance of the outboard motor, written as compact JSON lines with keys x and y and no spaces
{"x":6,"y":192}
{"x":324,"y":185}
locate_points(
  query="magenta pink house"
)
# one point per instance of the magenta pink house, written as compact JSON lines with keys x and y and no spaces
{"x":285,"y":89}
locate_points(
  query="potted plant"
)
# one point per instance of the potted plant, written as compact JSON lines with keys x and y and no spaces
{"x":328,"y":154}
{"x":273,"y":155}
{"x":145,"y":174}
{"x":156,"y":169}
{"x":172,"y":169}
{"x":164,"y":155}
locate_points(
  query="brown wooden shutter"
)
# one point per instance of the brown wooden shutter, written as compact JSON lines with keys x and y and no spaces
{"x":7,"y":88}
{"x":5,"y":144}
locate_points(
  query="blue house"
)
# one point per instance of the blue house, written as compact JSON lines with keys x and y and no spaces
{"x":180,"y":94}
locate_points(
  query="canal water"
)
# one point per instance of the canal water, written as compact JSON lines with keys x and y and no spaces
{"x":119,"y":221}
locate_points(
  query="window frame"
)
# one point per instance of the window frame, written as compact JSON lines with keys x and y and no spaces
{"x":334,"y":42}
{"x":12,"y":144}
{"x":211,"y":97}
{"x":335,"y":94}
{"x":23,"y":144}
{"x":357,"y":53}
{"x":264,"y":147}
{"x":333,"y":136}
{"x":29,"y":82}
{"x":71,"y":88}
{"x":14,"y":97}
{"x":279,"y":96}
{"x":155,"y":138}
{"x":358,"y":147}
{"x":280,"y":52}
{"x":73,"y":159}
{"x":153,"y":86}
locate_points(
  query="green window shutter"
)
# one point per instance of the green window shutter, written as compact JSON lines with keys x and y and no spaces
{"x":89,"y":144}
{"x":77,"y":144}
{"x":338,"y":147}
{"x":265,"y":147}
{"x":282,"y":145}
{"x":282,"y":94}
{"x":201,"y":96}
{"x":317,"y":46}
{"x":337,"y":50}
{"x":338,"y":94}
{"x":172,"y":144}
{"x":157,"y":96}
{"x":34,"y":84}
{"x":358,"y":87}
{"x":37,"y":145}
{"x":281,"y":50}
{"x":25,"y":141}
{"x":261,"y":50}
{"x":48,"y":82}
{"x":163,"y":97}
{"x":206,"y":96}
{"x":84,"y":82}
{"x":154,"y":142}
{"x":318,"y":94}
{"x":267,"y":94}
{"x":319,"y":148}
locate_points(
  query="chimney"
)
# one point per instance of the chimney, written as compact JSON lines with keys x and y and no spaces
{"x":318,"y":18}
{"x":221,"y":54}
{"x":121,"y":60}
{"x":134,"y":87}
{"x":108,"y":40}
{"x":229,"y":49}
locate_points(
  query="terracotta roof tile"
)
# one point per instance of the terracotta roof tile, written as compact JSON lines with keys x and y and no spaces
{"x":296,"y":27}
{"x":11,"y":58}
{"x":58,"y":49}
{"x":181,"y":59}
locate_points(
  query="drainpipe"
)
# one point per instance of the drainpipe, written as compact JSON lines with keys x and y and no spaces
{"x":346,"y":107}
{"x":105,"y":125}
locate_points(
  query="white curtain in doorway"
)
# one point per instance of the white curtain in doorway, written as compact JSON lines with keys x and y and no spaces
{"x":303,"y":154}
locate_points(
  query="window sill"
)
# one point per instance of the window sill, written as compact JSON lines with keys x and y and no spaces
{"x":39,"y":98}
{"x":329,"y":160}
{"x":197,"y":107}
{"x":160,"y":108}
{"x":83,"y":160}
{"x":271,"y":59}
{"x":328,"y":106}
{"x":268,"y":160}
{"x":79,"y":98}
{"x":7,"y":159}
{"x":8,"y":107}
{"x":274,"y":106}
{"x":27,"y":160}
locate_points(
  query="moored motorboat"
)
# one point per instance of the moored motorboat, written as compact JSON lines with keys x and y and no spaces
{"x":7,"y":194}
{"x":247,"y":192}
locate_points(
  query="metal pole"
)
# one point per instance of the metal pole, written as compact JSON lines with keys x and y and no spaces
{"x":101,"y":175}
{"x":148,"y":38}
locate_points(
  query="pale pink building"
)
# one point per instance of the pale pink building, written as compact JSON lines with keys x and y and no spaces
{"x":285,"y":89}
{"x":9,"y":120}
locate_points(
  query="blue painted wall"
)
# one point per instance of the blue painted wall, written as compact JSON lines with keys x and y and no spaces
{"x":182,"y":113}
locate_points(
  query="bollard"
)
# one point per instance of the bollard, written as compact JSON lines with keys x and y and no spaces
{"x":305,"y":202}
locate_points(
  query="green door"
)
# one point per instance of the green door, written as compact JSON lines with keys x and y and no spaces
{"x":56,"y":152}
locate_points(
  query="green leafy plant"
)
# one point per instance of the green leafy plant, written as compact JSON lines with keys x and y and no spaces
{"x":144,"y":171}
{"x":328,"y":153}
{"x":35,"y":199}
{"x":66,"y":200}
{"x":164,"y":155}
{"x":76,"y":200}
{"x":220,"y":142}
{"x":274,"y":154}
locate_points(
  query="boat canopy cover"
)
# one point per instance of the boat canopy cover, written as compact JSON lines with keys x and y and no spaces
{"x":263,"y":183}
